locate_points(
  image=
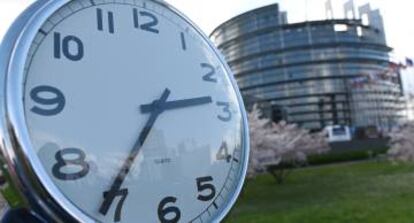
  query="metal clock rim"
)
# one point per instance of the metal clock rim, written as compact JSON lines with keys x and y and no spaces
{"x":24,"y":167}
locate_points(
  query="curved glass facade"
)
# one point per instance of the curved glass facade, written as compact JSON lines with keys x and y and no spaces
{"x":308,"y":72}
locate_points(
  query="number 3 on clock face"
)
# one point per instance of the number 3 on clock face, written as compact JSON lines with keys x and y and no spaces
{"x":142,"y":113}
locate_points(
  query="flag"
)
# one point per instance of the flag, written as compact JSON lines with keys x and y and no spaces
{"x":384,"y":75}
{"x":393,"y":66}
{"x":329,"y":9}
{"x":409,"y":62}
{"x":359,"y":82}
{"x":349,"y":9}
{"x":372,"y":78}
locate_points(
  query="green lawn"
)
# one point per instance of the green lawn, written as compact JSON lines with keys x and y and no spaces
{"x":369,"y":192}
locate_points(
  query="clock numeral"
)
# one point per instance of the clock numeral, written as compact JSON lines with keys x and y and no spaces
{"x":226,"y":111}
{"x":204,"y":185}
{"x":211,"y":73}
{"x":149,"y":25}
{"x":58,"y":100}
{"x":63,"y":46}
{"x":223,"y":153}
{"x":123,"y":193}
{"x":183,"y":42}
{"x":100,"y":18}
{"x":136,"y":17}
{"x":62,"y":162}
{"x":169,"y":214}
{"x":153,"y":21}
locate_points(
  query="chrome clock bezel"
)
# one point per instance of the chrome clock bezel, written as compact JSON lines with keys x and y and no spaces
{"x":19,"y":159}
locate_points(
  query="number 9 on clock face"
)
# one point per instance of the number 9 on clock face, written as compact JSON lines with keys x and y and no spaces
{"x":131,"y":113}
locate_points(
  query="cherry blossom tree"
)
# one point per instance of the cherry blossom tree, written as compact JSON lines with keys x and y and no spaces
{"x":402,"y":143}
{"x":276,"y":147}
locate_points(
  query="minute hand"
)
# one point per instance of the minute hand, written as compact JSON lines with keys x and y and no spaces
{"x":170,"y":105}
{"x":116,"y":186}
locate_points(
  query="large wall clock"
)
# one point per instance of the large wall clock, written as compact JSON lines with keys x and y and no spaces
{"x":119,"y":111}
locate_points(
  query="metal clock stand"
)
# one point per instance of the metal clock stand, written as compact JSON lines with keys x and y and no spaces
{"x":21,"y":215}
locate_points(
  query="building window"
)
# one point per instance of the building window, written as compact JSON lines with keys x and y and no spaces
{"x":341,"y":27}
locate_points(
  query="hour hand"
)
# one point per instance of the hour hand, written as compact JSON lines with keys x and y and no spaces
{"x":170,"y":105}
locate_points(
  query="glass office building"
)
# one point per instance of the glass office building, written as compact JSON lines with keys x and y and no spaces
{"x":314,"y":73}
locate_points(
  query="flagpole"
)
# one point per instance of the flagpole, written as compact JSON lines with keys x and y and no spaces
{"x":306,"y":10}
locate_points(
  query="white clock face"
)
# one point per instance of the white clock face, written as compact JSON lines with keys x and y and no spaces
{"x":132,"y":113}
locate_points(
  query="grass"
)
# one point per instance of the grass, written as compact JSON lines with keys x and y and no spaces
{"x":11,"y":197}
{"x":368,"y":192}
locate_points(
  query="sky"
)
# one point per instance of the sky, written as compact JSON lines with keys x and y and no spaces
{"x":204,"y":12}
{"x":208,"y":14}
{"x":398,"y":15}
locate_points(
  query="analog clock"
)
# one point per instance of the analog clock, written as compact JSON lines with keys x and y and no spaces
{"x":119,"y":111}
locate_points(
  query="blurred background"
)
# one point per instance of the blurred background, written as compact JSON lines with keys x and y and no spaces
{"x":329,"y":87}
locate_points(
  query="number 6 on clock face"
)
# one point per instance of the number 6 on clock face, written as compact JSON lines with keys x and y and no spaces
{"x":146,"y":120}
